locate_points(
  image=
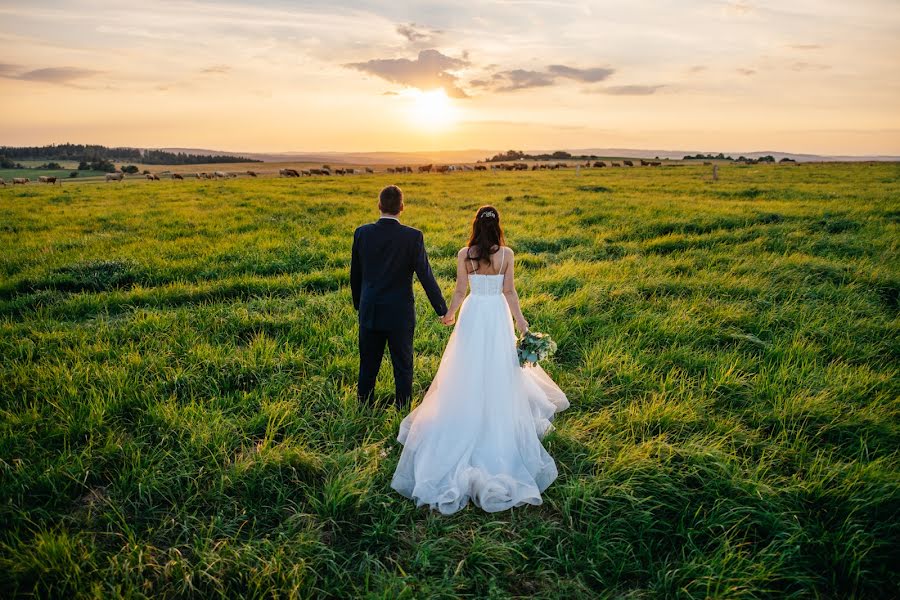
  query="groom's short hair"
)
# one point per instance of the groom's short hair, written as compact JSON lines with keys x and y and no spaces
{"x":390,"y":200}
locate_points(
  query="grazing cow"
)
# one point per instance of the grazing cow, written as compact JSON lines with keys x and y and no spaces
{"x":425,"y":169}
{"x":442,"y":168}
{"x":47,"y":179}
{"x":599,"y":164}
{"x":289,"y":173}
{"x":615,"y":164}
{"x":627,"y":163}
{"x":339,"y":171}
{"x":390,"y":169}
{"x":251,"y":173}
{"x":177,"y":176}
{"x":20,"y":180}
{"x":115,"y":177}
{"x":655,"y":163}
{"x":305,"y":172}
{"x":152,"y":177}
{"x":2,"y":183}
{"x":218,"y":174}
{"x":370,"y":170}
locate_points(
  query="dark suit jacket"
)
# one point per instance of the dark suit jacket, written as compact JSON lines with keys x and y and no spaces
{"x":385,"y":255}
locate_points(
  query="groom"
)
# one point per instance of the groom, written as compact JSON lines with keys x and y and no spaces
{"x":384,"y":257}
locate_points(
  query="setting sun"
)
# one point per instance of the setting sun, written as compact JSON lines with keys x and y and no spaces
{"x":432,"y":109}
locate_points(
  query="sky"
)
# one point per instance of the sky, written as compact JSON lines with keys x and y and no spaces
{"x":814,"y":76}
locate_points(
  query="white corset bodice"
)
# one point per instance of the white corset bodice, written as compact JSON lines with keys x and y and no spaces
{"x":486,"y":285}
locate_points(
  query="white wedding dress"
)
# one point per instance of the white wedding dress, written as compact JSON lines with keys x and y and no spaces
{"x":476,"y":434}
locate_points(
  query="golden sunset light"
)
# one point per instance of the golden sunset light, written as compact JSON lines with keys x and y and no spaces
{"x":278,"y":76}
{"x":433,"y":110}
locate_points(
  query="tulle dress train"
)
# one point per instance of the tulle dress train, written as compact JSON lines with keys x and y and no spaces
{"x":477,"y":433}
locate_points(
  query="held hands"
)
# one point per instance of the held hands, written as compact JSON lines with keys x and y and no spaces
{"x":448,"y":319}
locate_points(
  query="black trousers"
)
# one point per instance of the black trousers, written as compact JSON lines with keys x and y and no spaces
{"x":371,"y":351}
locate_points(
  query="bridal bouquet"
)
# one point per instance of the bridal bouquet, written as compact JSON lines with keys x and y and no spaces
{"x":534,"y":347}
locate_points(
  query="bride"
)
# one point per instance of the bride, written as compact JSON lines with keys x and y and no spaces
{"x":476,"y":434}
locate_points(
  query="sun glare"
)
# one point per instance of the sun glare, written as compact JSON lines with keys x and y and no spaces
{"x":433,"y":110}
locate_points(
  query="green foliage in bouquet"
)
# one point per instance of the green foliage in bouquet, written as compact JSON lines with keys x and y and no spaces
{"x":533,"y":347}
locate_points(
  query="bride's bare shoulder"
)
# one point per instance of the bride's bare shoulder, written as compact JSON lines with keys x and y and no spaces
{"x":463,"y":252}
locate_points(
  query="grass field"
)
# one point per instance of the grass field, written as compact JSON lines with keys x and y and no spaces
{"x":178,"y":369}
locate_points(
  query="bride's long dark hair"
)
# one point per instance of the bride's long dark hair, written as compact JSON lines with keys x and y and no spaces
{"x":487,"y":235}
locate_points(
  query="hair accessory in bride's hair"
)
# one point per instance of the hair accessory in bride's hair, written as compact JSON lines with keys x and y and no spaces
{"x":488,"y":214}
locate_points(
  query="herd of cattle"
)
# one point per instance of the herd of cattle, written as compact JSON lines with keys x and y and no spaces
{"x":25,"y":180}
{"x":327,"y":170}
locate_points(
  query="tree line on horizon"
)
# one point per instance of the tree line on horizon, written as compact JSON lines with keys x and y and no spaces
{"x":85,"y":153}
{"x":519,"y":155}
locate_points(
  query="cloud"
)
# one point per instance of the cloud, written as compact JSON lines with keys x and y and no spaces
{"x":56,"y":75}
{"x":627,"y":90}
{"x":7,"y":69}
{"x":416,"y":33}
{"x":806,"y":46}
{"x":739,"y":8}
{"x":697,"y":69}
{"x":586,"y":75}
{"x":428,"y":71}
{"x":216,"y":70}
{"x":519,"y":79}
{"x":805,"y":66}
{"x":747,"y":72}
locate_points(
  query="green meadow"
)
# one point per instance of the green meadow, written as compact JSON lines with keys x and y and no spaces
{"x":178,"y":367}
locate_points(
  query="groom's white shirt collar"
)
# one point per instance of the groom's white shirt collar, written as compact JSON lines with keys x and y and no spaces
{"x":389,"y":217}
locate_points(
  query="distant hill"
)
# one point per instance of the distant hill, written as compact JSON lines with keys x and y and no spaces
{"x":175,"y":156}
{"x":474,"y":155}
{"x":374,"y":158}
